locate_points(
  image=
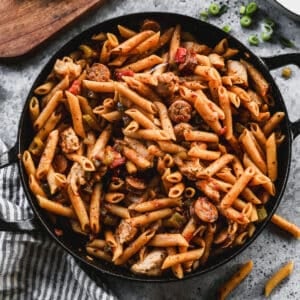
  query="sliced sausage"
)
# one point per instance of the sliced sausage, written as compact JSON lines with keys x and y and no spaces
{"x":98,"y":72}
{"x":180,"y":111}
{"x":205,"y":210}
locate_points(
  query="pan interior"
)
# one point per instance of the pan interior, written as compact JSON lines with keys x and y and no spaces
{"x":205,"y":33}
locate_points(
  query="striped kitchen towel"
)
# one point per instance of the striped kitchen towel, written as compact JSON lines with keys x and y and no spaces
{"x":32,"y":266}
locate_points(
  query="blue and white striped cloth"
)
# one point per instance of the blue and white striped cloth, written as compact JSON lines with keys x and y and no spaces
{"x":32,"y":266}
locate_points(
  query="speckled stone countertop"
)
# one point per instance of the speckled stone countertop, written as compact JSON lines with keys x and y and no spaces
{"x":273,"y":247}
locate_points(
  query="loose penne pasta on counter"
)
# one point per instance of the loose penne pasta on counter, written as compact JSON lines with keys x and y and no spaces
{"x":157,"y":149}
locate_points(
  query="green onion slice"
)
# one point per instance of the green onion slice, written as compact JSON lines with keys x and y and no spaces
{"x":245,"y":21}
{"x":253,"y":40}
{"x":286,"y":42}
{"x":226,"y":28}
{"x":214,"y":9}
{"x":251,"y":8}
{"x":242,"y":10}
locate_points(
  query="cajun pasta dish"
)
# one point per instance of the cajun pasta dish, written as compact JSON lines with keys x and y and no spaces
{"x":160,"y":149}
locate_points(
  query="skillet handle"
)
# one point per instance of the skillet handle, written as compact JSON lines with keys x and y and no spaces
{"x":9,"y":157}
{"x":277,"y":61}
{"x":280,"y":60}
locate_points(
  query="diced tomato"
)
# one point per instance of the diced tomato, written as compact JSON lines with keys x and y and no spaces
{"x":58,"y":232}
{"x":118,"y":162}
{"x":223,"y":130}
{"x":180,"y":55}
{"x":119,"y":74}
{"x":75,"y":87}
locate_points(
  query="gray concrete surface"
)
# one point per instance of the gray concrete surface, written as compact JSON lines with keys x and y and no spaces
{"x":272,"y":248}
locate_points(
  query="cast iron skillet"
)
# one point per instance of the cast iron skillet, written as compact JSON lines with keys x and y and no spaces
{"x":207,"y":34}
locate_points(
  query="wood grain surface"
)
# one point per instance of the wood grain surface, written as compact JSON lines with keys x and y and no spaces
{"x":25,"y":24}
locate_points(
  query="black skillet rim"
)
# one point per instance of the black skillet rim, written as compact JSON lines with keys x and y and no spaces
{"x":117,"y":271}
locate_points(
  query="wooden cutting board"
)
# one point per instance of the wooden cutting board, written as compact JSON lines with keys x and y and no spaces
{"x":25,"y":24}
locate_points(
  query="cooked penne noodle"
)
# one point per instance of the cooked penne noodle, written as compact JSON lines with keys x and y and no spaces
{"x":85,"y":163}
{"x":174,"y":43}
{"x":215,"y":166}
{"x":131,"y":42}
{"x":225,"y":105}
{"x":139,"y":117}
{"x":135,"y":98}
{"x":169,"y":147}
{"x":141,"y":88}
{"x":175,"y":259}
{"x":200,"y":136}
{"x":237,"y":188}
{"x":277,"y":277}
{"x":235,"y":280}
{"x":150,"y":217}
{"x":252,"y":150}
{"x":55,"y":207}
{"x":79,"y":209}
{"x":118,"y":210}
{"x":50,"y":125}
{"x":28,"y":163}
{"x":48,"y":155}
{"x":94,"y":210}
{"x":35,"y":186}
{"x":143,"y":64}
{"x":286,"y":225}
{"x":48,"y":110}
{"x":44,"y":88}
{"x":165,"y":121}
{"x":76,"y":114}
{"x":176,"y":190}
{"x":61,"y":86}
{"x":114,"y":197}
{"x":97,"y":152}
{"x":273,"y":122}
{"x":168,"y":240}
{"x":155,"y":204}
{"x":98,"y":253}
{"x":204,"y":154}
{"x":99,"y":87}
{"x":132,"y":127}
{"x":34,"y":109}
{"x":126,"y":32}
{"x":135,"y":246}
{"x":176,"y":269}
{"x":97,"y":243}
{"x":136,"y":158}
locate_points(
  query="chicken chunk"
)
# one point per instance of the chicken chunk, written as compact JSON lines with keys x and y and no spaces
{"x":237,"y":72}
{"x":167,"y":84}
{"x":69,"y":141}
{"x":125,"y":232}
{"x":151,"y":264}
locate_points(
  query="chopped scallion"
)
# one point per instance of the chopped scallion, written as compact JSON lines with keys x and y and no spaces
{"x":226,"y":28}
{"x":245,"y":21}
{"x":251,"y":8}
{"x":267,"y":32}
{"x":286,"y":42}
{"x":253,"y":40}
{"x":270,"y":22}
{"x":214,"y":9}
{"x":242,"y":10}
{"x":204,"y":15}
